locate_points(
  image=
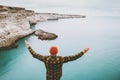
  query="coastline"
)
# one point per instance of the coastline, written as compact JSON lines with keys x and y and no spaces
{"x":15,"y":23}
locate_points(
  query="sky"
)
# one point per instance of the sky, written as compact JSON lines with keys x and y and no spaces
{"x":63,"y":3}
{"x":87,"y":7}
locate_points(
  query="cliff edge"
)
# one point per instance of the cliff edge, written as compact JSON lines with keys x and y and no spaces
{"x":15,"y":23}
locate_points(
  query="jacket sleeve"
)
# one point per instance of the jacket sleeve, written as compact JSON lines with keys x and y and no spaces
{"x":36,"y":55}
{"x":72,"y":58}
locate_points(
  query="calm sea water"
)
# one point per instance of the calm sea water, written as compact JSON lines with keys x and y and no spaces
{"x":100,"y":33}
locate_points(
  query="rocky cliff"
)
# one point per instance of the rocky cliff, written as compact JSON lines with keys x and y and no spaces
{"x":15,"y":23}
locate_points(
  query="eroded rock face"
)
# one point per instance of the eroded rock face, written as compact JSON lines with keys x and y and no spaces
{"x":15,"y":24}
{"x":45,"y":35}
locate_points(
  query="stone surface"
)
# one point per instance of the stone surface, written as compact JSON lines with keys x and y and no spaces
{"x":15,"y":24}
{"x":45,"y":35}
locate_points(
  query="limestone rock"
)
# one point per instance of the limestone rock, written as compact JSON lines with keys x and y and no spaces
{"x":45,"y":35}
{"x":15,"y":24}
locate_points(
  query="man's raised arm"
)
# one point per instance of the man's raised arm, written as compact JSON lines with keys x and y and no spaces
{"x":34,"y":54}
{"x":76,"y":56}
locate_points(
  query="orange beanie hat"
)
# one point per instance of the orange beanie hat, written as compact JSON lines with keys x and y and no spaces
{"x":53,"y":50}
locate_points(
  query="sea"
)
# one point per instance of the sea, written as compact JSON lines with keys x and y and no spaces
{"x":99,"y":31}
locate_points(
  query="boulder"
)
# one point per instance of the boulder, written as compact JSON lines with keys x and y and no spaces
{"x":45,"y":35}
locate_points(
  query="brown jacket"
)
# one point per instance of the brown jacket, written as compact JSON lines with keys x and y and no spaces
{"x":54,"y":63}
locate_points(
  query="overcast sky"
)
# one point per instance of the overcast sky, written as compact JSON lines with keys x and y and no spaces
{"x":63,"y":3}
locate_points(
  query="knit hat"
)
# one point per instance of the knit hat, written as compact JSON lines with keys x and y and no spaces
{"x":53,"y":50}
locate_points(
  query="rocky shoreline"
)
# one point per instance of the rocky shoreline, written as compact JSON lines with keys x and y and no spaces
{"x":15,"y":23}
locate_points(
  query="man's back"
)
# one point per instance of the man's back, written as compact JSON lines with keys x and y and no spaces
{"x":54,"y":67}
{"x":53,"y":62}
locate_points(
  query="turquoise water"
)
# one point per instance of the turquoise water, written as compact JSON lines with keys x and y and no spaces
{"x":100,"y":33}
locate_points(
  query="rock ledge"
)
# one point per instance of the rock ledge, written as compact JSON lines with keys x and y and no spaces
{"x":15,"y":24}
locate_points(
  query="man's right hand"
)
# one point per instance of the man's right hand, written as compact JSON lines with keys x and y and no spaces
{"x":27,"y":43}
{"x":85,"y":50}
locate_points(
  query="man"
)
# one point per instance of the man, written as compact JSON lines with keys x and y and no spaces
{"x":53,"y":62}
